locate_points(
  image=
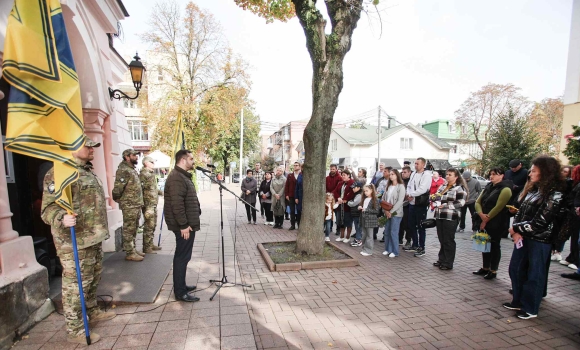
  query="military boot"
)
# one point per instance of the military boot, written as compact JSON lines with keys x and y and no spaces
{"x":82,"y":339}
{"x":156,"y":247}
{"x":100,"y":315}
{"x":149,"y":251}
{"x":139,"y":253}
{"x":134,"y":257}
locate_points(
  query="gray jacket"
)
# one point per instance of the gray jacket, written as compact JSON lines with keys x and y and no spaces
{"x":474,"y":188}
{"x":397,"y":200}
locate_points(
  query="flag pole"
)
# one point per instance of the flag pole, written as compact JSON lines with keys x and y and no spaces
{"x":161,"y":228}
{"x":80,"y":283}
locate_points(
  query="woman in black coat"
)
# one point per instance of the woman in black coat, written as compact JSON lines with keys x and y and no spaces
{"x":539,"y":204}
{"x":493,"y":218}
{"x":249,"y":190}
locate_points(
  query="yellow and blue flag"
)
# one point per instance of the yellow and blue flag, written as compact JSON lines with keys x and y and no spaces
{"x":44,"y":106}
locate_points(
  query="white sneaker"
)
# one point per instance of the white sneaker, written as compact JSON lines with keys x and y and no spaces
{"x":392,"y":255}
{"x":339,"y":239}
{"x":365,"y":254}
{"x":564,"y":262}
{"x":265,"y":223}
{"x":327,"y":239}
{"x":385,"y":253}
{"x":557,"y":256}
{"x":271,"y":224}
{"x":346,"y":240}
{"x":573,"y":267}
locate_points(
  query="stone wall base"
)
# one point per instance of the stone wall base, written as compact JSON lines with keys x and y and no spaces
{"x":23,"y":304}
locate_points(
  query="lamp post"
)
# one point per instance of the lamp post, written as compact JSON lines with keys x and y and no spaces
{"x":137,"y":69}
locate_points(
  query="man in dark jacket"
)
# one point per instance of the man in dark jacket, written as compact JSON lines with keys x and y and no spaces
{"x":182,"y":212}
{"x":289,"y":190}
{"x":518,"y":175}
{"x":332,"y":181}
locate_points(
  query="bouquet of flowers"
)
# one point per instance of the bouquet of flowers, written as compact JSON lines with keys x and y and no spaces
{"x":435,"y":200}
{"x":481,"y":241}
{"x":383,"y":219}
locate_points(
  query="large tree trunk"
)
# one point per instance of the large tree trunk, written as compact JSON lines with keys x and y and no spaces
{"x":327,"y":53}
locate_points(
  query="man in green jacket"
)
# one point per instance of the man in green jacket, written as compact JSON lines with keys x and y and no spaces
{"x":90,"y":221}
{"x":150,"y":200}
{"x":129,"y":194}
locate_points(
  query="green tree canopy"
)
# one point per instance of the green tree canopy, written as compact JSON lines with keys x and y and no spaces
{"x":511,"y":137}
{"x":572,"y":150}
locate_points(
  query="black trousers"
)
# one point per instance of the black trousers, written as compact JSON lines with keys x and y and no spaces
{"x":268,"y":211}
{"x":250,"y":212}
{"x":491,"y":259}
{"x":446,"y":234}
{"x":261,"y":205}
{"x":292,"y":205}
{"x":464,"y":214}
{"x":279,"y":220}
{"x":183,"y":248}
{"x":404,"y":226}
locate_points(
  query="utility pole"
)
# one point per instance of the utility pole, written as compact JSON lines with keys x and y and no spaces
{"x":379,"y":131}
{"x":241,"y":145}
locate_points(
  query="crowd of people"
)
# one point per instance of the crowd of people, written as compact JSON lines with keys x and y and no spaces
{"x":538,"y":208}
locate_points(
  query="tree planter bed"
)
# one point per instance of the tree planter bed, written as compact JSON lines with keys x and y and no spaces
{"x":280,"y":256}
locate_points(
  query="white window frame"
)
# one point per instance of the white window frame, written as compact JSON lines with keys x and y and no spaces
{"x":140,"y":127}
{"x":406,"y":143}
{"x":334,"y":145}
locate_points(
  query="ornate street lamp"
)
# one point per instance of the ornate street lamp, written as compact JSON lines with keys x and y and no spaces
{"x":137,"y":69}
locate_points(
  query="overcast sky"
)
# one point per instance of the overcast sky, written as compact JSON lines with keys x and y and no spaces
{"x":430,"y":56}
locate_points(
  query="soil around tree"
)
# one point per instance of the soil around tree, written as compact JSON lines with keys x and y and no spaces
{"x":285,"y":252}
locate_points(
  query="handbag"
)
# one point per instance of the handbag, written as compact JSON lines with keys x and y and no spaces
{"x":422,"y":200}
{"x":428,"y":223}
{"x":386,"y":205}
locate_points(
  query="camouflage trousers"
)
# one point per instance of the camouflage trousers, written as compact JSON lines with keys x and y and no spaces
{"x":91,"y":265}
{"x":150,"y":216}
{"x":131,"y":218}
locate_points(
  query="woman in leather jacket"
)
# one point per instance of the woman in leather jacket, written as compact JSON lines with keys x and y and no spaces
{"x":539,"y":204}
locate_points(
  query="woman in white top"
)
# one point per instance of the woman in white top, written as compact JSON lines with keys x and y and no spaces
{"x":394,"y":194}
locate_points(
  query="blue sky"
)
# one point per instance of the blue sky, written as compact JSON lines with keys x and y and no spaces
{"x":430,"y":56}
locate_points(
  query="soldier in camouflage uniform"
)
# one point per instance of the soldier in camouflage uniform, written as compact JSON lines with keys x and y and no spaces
{"x":150,"y":200}
{"x":129,"y":194}
{"x":90,"y":221}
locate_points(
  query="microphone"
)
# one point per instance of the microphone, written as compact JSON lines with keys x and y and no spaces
{"x":203,"y":170}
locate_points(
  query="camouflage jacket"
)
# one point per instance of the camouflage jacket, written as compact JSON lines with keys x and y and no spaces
{"x":150,"y":191}
{"x":127,"y":190}
{"x":88,"y":201}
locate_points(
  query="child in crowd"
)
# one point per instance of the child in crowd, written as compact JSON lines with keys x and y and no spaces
{"x":329,"y":207}
{"x":368,"y":218}
{"x":354,"y":213}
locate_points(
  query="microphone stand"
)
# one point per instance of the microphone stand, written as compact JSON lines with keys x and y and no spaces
{"x":224,"y":279}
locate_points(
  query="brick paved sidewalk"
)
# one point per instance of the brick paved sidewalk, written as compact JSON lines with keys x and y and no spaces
{"x":401,"y":302}
{"x":383,"y":304}
{"x":223,"y":323}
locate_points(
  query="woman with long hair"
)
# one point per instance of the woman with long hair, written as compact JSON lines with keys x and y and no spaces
{"x":539,"y":204}
{"x":493,"y":218}
{"x":449,"y":199}
{"x":395,"y":195}
{"x":571,"y":225}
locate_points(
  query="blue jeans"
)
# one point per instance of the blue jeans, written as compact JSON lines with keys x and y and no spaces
{"x":416,"y":215}
{"x":356,"y":222}
{"x":528,"y":274}
{"x":327,"y":227}
{"x":391,"y":234}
